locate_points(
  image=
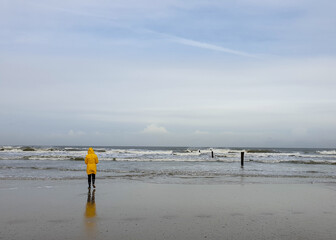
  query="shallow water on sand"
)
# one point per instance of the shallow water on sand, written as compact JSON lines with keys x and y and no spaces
{"x":119,"y":209}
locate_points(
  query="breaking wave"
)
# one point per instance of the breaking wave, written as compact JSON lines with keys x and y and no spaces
{"x":331,"y":152}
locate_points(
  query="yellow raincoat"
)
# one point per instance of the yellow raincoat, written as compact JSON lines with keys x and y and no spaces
{"x":91,"y":160}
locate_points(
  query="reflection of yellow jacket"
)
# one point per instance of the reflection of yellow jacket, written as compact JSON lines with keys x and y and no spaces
{"x":90,"y":216}
{"x":91,"y":160}
{"x":90,"y":210}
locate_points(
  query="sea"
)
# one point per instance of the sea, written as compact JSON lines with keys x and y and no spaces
{"x":187,"y":165}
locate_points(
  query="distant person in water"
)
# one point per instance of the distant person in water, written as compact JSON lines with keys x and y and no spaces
{"x":91,"y":160}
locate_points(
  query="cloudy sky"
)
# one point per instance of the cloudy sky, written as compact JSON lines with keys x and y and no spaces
{"x":254,"y":73}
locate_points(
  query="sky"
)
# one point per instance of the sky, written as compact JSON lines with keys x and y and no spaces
{"x":243,"y":73}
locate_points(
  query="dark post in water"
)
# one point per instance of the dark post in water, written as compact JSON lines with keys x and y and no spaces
{"x":242,"y":159}
{"x":212,"y":154}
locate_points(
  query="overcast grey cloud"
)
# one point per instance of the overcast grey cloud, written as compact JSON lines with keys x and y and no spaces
{"x":191,"y":73}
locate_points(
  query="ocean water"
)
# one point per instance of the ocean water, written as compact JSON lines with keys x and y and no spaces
{"x":171,"y":164}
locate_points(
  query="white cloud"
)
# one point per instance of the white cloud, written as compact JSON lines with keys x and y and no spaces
{"x":154,"y":129}
{"x":73,"y":133}
{"x":208,"y":46}
{"x":198,"y":132}
{"x":170,"y":37}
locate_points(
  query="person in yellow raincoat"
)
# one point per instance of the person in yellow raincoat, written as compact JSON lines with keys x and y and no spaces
{"x":91,"y":160}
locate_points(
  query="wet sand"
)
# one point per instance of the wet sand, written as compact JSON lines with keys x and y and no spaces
{"x":137,"y":210}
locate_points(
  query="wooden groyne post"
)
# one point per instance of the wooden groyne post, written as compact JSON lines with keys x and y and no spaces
{"x":242,"y":159}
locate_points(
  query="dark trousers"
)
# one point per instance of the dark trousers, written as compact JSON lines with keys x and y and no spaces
{"x":93,"y":176}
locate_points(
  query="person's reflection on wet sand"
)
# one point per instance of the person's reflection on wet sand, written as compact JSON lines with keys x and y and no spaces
{"x":90,"y":214}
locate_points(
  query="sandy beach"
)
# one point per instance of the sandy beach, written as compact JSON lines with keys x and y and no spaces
{"x":138,"y":210}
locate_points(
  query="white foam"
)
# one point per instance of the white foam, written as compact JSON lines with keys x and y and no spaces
{"x":12,"y":188}
{"x":331,"y":152}
{"x":138,"y":152}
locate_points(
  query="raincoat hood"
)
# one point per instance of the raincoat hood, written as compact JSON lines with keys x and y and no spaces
{"x":90,"y":151}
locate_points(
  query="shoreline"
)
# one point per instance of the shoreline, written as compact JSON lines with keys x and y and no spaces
{"x":126,"y":209}
{"x":187,"y":180}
